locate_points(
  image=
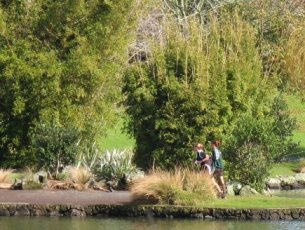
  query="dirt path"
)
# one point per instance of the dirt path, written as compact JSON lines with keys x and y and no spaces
{"x":64,"y":197}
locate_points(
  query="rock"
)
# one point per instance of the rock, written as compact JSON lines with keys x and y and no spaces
{"x":4,"y":212}
{"x":273,"y":183}
{"x":230,"y":189}
{"x":18,"y":185}
{"x":40,"y":177}
{"x":22,"y":211}
{"x":247,"y":191}
{"x":237,"y":187}
{"x":300,"y":178}
{"x":289,"y":183}
{"x":76,"y":212}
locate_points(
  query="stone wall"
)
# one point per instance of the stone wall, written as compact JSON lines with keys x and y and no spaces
{"x":151,"y":211}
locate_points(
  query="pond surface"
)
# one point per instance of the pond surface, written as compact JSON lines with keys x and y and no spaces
{"x":58,"y":223}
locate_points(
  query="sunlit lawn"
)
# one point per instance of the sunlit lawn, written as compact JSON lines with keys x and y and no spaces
{"x":297,"y":110}
{"x":117,"y":139}
{"x":284,"y":169}
{"x":258,"y":201}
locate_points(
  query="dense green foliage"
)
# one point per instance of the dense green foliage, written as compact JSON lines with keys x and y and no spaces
{"x":274,"y":21}
{"x":60,"y":63}
{"x":256,"y":142}
{"x":54,"y":147}
{"x":216,"y":78}
{"x":194,"y":89}
{"x":248,"y":156}
{"x":198,"y":71}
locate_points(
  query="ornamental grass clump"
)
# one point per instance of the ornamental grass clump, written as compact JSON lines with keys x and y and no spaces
{"x":80,"y":175}
{"x":178,"y":187}
{"x":6,"y":175}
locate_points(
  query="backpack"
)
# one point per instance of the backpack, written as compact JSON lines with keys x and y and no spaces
{"x":217,"y":159}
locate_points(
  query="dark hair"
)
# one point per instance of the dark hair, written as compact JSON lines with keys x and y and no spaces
{"x":216,"y":143}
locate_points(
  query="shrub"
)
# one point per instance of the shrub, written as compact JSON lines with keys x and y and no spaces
{"x":55,"y":147}
{"x":250,"y":165}
{"x":178,"y":187}
{"x":115,"y":165}
{"x":262,"y":139}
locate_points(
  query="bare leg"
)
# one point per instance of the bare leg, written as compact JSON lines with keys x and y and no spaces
{"x":223,"y":185}
{"x":216,"y":185}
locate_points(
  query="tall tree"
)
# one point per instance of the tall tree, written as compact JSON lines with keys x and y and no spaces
{"x":194,"y":87}
{"x":61,"y":64}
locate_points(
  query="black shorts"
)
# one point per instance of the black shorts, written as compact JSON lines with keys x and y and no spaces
{"x":218,"y":172}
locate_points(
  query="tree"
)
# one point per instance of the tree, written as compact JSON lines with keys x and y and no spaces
{"x":276,"y":22}
{"x":194,"y":87}
{"x":60,"y":63}
{"x":295,"y":58}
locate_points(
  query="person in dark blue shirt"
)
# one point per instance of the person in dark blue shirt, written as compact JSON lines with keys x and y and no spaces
{"x":203,"y":159}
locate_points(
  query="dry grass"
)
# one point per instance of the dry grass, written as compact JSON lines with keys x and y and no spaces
{"x":179,"y":187}
{"x":6,"y":175}
{"x":80,"y":175}
{"x":300,"y":168}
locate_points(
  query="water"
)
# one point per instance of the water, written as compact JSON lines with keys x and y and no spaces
{"x":58,"y":223}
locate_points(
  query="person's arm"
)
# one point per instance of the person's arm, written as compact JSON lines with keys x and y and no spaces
{"x":205,"y":159}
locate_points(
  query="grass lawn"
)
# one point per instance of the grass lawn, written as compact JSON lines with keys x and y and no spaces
{"x":117,"y":139}
{"x":284,"y":168}
{"x":297,"y":110}
{"x":258,"y":201}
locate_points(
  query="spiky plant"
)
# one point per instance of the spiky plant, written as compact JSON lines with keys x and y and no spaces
{"x":116,"y":164}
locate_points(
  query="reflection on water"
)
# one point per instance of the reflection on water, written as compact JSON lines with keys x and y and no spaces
{"x":58,"y":223}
